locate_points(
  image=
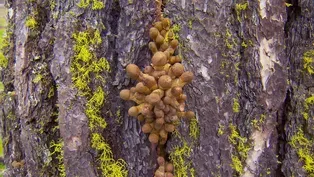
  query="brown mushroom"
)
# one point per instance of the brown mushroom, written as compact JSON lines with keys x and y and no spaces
{"x":133,"y":71}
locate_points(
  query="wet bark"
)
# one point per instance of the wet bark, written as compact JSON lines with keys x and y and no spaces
{"x":247,"y":57}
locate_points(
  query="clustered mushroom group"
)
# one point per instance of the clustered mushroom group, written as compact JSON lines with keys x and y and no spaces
{"x":158,"y":93}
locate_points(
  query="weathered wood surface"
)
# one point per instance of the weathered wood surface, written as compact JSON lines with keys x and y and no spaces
{"x":246,"y":53}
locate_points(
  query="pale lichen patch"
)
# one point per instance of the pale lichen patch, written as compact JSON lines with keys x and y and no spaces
{"x":268,"y":57}
{"x":204,"y":71}
{"x":262,"y":6}
{"x":260,"y":140}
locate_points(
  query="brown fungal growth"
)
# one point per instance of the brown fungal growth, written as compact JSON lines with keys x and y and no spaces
{"x":159,"y":91}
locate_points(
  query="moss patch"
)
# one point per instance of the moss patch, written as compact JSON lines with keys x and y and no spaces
{"x":96,"y":4}
{"x":304,"y":148}
{"x":308,"y":61}
{"x":86,"y":69}
{"x":242,"y":148}
{"x":57,"y":150}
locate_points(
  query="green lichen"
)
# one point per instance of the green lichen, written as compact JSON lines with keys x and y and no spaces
{"x":307,"y":103}
{"x":31,"y":22}
{"x":3,"y":60}
{"x":86,"y":68}
{"x":93,"y":108}
{"x":4,"y":43}
{"x":220,"y":130}
{"x":308,"y":61}
{"x":52,"y":4}
{"x":108,"y":166}
{"x":236,"y":105}
{"x":194,"y":129}
{"x":37,"y":78}
{"x":237,"y":164}
{"x":1,"y":87}
{"x":304,"y":148}
{"x":85,"y":61}
{"x":57,"y":150}
{"x":239,"y":8}
{"x":242,"y":148}
{"x":178,"y":158}
{"x":97,"y":5}
{"x":51,"y":92}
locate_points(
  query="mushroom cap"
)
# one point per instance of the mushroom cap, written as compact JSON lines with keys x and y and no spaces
{"x":153,"y":32}
{"x":189,"y":114}
{"x":152,"y":98}
{"x":125,"y":94}
{"x":177,"y":69}
{"x":147,"y":128}
{"x":133,"y":71}
{"x":176,"y":91}
{"x":174,"y":43}
{"x":168,"y":174}
{"x":169,"y":127}
{"x":158,"y":113}
{"x":165,"y":82}
{"x":160,"y":160}
{"x":152,"y":46}
{"x":163,"y":133}
{"x":170,"y":35}
{"x":164,"y":46}
{"x":145,"y":109}
{"x":141,"y":88}
{"x":133,"y":111}
{"x":160,"y":121}
{"x":148,"y":80}
{"x":148,"y":69}
{"x":163,"y":33}
{"x":166,"y":23}
{"x":159,"y":59}
{"x":187,"y":76}
{"x":159,"y":39}
{"x":158,"y":25}
{"x":139,"y":96}
{"x":153,"y":138}
{"x":169,"y":167}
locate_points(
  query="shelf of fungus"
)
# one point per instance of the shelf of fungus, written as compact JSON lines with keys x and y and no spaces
{"x":159,"y":92}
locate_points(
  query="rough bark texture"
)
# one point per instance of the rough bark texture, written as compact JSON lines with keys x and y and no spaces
{"x":247,"y":57}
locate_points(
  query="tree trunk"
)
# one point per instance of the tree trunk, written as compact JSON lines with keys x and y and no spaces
{"x":252,"y":91}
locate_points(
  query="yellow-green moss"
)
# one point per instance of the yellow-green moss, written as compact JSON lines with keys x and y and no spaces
{"x":237,"y":164}
{"x":178,"y":158}
{"x":194,"y":129}
{"x":97,"y":5}
{"x":288,"y":4}
{"x":84,"y":66}
{"x":3,"y":60}
{"x":93,"y":108}
{"x":37,"y":78}
{"x":307,"y":103}
{"x":31,"y":22}
{"x":308,"y":61}
{"x":108,"y":166}
{"x":239,"y":8}
{"x":236,"y":105}
{"x":220,"y":130}
{"x":57,"y":150}
{"x":52,"y":4}
{"x":242,"y":148}
{"x":304,"y":149}
{"x":4,"y":43}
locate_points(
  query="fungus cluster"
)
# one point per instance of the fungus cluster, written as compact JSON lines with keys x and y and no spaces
{"x":158,"y":93}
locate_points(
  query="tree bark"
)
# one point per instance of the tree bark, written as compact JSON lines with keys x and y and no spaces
{"x":251,"y":92}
